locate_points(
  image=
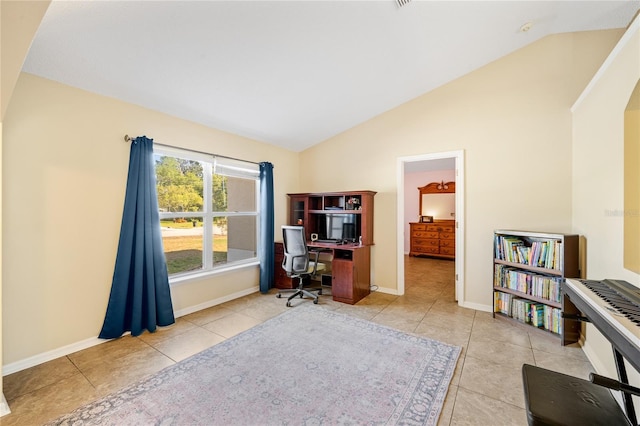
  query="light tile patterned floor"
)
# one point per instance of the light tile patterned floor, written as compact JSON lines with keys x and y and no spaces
{"x":486,"y":388}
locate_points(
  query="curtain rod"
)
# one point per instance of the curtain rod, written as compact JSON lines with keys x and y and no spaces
{"x":127,"y":138}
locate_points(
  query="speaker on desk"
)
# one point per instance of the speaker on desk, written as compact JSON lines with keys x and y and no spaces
{"x":314,"y":237}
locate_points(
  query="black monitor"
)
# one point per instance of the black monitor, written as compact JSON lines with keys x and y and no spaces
{"x":349,"y":232}
{"x":339,"y":227}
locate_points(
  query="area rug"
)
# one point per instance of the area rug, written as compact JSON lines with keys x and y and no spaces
{"x":307,"y":366}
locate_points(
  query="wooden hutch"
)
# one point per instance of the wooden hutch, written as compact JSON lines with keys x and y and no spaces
{"x":350,"y":265}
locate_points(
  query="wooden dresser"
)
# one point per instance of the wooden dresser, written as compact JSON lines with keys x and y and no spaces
{"x":437,"y":239}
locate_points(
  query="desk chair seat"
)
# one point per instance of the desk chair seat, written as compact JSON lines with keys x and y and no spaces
{"x":297,"y":263}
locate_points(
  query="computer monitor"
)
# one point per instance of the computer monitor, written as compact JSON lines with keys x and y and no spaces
{"x":339,"y":227}
{"x":349,"y":232}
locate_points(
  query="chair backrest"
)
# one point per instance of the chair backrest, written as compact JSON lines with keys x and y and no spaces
{"x":296,"y":253}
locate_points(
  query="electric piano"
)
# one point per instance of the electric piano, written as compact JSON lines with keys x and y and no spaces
{"x":613,"y":307}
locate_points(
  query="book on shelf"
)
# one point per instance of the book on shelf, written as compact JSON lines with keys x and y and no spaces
{"x":542,"y":253}
{"x":526,"y":282}
{"x":538,"y":315}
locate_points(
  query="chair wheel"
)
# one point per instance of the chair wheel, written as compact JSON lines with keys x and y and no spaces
{"x":315,"y":301}
{"x":320,"y":293}
{"x":278,"y":295}
{"x":288,"y":304}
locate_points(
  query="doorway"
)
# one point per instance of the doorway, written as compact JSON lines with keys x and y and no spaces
{"x":424,"y":162}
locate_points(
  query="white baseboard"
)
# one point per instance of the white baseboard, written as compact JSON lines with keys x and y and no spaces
{"x":477,"y":306}
{"x":32,"y":361}
{"x":386,"y":290}
{"x":4,"y":407}
{"x":215,"y":302}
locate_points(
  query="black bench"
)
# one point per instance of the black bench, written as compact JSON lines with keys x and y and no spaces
{"x":556,"y":399}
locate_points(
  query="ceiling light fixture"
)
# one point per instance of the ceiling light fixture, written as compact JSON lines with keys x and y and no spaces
{"x":402,"y":2}
{"x":526,"y":27}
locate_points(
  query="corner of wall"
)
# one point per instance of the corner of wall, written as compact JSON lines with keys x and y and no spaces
{"x":4,"y":407}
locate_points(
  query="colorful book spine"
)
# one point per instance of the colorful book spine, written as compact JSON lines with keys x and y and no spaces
{"x":540,"y":253}
{"x":529,"y":283}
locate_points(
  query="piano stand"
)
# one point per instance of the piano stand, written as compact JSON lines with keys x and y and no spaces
{"x":553,"y":398}
{"x":613,"y":307}
{"x":622,"y":375}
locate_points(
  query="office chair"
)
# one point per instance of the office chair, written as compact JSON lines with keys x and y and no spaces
{"x":297,"y":263}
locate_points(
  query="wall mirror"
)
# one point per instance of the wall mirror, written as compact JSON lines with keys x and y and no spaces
{"x":632,"y":182}
{"x":438,"y":199}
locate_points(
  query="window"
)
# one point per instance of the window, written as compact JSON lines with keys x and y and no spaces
{"x":208,"y":211}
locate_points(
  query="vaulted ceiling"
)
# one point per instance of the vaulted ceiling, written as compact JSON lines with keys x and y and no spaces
{"x":290,"y":73}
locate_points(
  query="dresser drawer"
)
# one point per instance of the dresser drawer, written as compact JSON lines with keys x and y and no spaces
{"x":418,"y":227}
{"x":430,"y":250}
{"x":432,"y":243}
{"x":440,"y":228}
{"x":426,"y":234}
{"x":425,"y":250}
{"x":448,"y":250}
{"x":423,"y":242}
{"x":447,"y":243}
{"x":447,"y":236}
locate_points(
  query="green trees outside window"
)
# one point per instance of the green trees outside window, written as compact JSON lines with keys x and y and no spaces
{"x":194,"y":202}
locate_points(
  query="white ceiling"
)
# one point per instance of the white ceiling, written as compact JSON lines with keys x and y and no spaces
{"x":290,"y":73}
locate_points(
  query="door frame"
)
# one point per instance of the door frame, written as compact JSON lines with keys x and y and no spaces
{"x":458,"y":156}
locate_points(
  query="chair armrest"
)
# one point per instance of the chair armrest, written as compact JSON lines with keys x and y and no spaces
{"x":291,"y":259}
{"x":316,"y":254}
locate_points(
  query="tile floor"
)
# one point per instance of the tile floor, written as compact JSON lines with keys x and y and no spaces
{"x":486,"y":388}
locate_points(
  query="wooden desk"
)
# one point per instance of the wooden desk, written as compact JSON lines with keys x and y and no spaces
{"x":350,"y":270}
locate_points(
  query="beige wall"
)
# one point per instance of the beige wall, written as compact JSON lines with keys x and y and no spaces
{"x":65,"y":169}
{"x":19,"y":21}
{"x":598,"y":175}
{"x":511,"y":118}
{"x":632,"y":184}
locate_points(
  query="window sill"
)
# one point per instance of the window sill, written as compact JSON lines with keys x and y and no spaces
{"x":198,"y":276}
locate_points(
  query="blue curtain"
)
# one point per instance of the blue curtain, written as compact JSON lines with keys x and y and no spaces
{"x":267,"y":258}
{"x":140,"y":297}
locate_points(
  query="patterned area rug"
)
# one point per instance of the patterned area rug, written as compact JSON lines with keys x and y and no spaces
{"x":307,"y":366}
